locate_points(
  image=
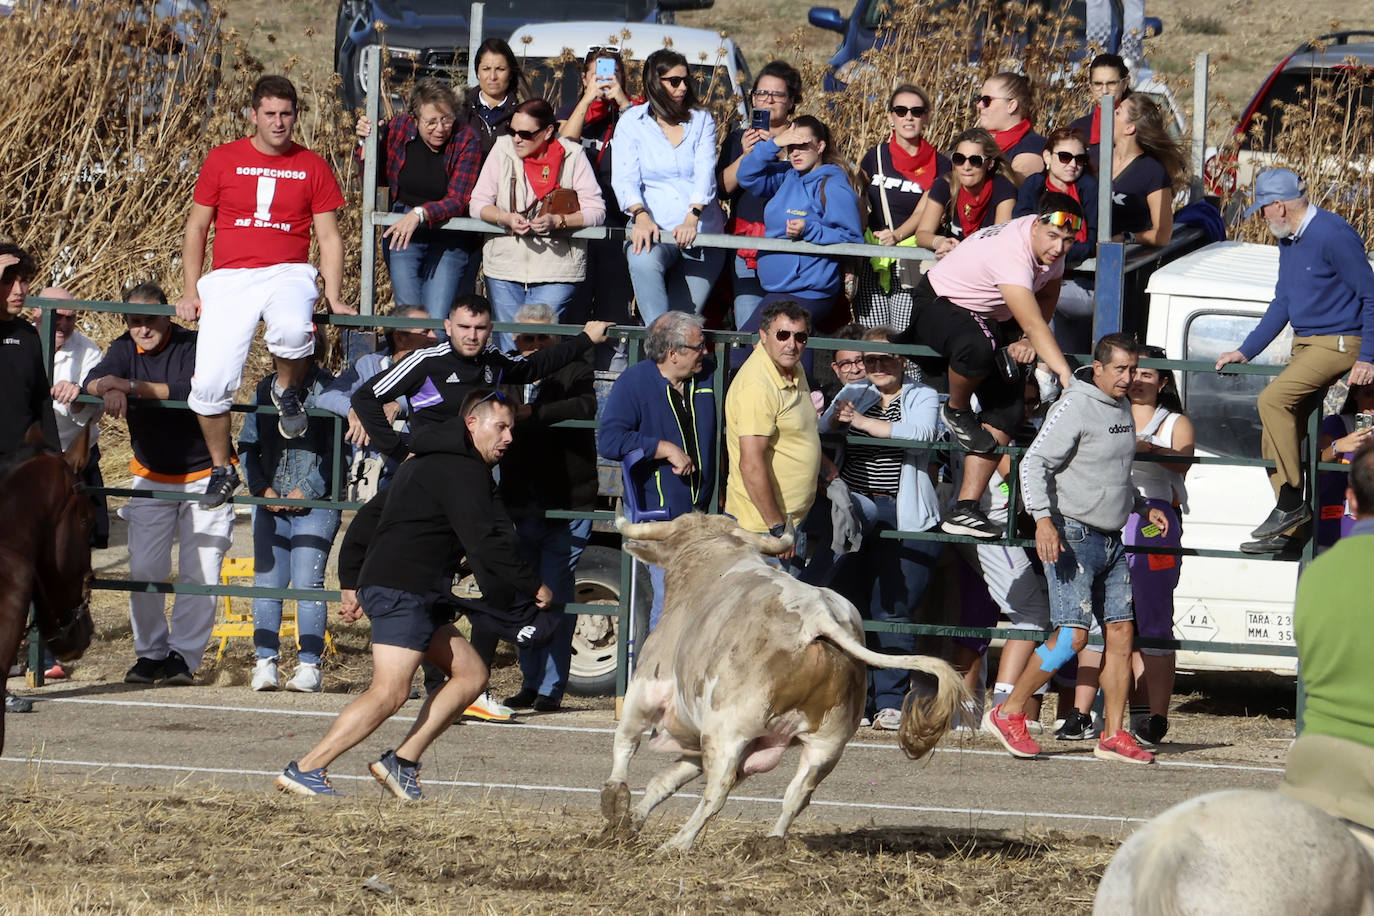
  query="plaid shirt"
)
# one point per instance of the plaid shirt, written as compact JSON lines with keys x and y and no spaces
{"x":462,"y":160}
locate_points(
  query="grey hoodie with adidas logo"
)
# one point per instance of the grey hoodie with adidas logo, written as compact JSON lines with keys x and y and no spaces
{"x":1079,"y":466}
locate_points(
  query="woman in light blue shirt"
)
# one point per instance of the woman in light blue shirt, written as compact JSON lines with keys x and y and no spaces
{"x":664,"y":177}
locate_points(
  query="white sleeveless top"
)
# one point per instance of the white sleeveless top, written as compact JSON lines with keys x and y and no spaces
{"x":1152,"y":479}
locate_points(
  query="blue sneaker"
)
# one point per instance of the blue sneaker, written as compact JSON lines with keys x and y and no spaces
{"x":305,"y":782}
{"x":401,"y":781}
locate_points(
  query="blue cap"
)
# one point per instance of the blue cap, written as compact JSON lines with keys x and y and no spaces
{"x":1273,"y":186}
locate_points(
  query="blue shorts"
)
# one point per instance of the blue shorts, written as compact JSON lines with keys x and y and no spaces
{"x":1090,"y":579}
{"x":401,"y":618}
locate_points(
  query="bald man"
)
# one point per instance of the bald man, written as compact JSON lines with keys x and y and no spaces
{"x":78,"y":427}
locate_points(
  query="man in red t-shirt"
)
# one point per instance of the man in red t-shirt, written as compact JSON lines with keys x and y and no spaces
{"x":262,"y":194}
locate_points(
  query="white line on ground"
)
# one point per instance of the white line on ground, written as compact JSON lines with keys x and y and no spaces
{"x":588,"y":729}
{"x":41,"y":762}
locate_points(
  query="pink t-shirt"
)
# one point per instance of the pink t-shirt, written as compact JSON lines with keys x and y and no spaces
{"x":999,"y":255}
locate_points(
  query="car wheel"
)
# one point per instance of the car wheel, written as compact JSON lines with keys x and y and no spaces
{"x":593,"y":667}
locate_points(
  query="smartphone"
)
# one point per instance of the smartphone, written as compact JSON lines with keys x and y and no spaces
{"x":605,"y":68}
{"x":761,"y":119}
{"x":1363,"y":421}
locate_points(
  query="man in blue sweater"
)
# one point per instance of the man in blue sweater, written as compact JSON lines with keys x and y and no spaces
{"x":665,"y":406}
{"x":1326,"y":292}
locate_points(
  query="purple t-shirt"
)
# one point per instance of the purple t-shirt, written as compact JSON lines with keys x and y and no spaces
{"x":1335,"y":520}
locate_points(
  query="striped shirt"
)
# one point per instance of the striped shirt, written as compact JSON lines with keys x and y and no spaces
{"x":874,"y":468}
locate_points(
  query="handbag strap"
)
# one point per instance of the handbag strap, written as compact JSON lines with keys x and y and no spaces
{"x":882,"y":190}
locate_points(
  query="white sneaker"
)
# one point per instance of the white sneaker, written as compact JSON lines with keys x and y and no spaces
{"x":307,"y":679}
{"x":265,"y":674}
{"x":485,"y":709}
{"x":888,"y":720}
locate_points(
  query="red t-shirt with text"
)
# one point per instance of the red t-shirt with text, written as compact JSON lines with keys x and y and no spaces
{"x":264,"y":204}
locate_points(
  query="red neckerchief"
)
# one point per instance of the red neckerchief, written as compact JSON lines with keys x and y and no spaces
{"x":1095,"y":134}
{"x":971,"y":209}
{"x":1072,"y":191}
{"x":542,"y":170}
{"x":1006,"y":139}
{"x":919,"y":168}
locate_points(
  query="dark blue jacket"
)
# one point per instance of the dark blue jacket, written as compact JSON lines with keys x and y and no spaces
{"x":1028,"y":203}
{"x":270,"y":460}
{"x":638,"y":414}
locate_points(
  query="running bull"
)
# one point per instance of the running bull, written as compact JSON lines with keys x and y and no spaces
{"x":745,"y":662}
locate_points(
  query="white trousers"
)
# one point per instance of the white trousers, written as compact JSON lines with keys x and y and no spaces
{"x":231,"y":303}
{"x":205,"y":537}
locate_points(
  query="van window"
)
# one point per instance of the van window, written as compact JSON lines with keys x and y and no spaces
{"x":1339,"y":89}
{"x":1222,"y":407}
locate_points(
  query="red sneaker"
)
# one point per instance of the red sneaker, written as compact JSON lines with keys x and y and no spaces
{"x":1122,"y":747}
{"x":1011,"y":731}
{"x":55,"y":673}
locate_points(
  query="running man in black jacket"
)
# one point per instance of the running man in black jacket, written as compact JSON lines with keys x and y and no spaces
{"x":437,"y":379}
{"x":441,"y":502}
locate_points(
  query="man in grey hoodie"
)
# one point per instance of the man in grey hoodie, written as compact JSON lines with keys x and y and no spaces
{"x":1076,"y":481}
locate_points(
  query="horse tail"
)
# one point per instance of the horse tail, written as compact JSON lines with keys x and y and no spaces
{"x":1154,"y":888}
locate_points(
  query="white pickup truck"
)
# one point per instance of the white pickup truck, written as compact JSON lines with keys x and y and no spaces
{"x":1202,"y":305}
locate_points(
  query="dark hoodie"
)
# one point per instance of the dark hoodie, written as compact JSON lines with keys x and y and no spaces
{"x":443,"y":503}
{"x":487,"y":123}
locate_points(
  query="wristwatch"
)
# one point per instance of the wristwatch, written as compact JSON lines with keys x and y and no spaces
{"x":697,"y":210}
{"x":420,"y":212}
{"x":778,"y":530}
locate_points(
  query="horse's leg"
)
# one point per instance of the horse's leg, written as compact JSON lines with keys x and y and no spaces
{"x":16,"y":590}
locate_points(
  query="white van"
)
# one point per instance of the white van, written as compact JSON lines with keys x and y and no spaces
{"x":1201,"y":306}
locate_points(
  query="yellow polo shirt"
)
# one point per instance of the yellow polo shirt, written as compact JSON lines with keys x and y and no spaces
{"x":764,"y":402}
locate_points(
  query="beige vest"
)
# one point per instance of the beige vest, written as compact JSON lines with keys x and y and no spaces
{"x":531,"y":258}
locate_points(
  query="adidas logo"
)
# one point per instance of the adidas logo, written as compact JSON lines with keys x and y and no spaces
{"x":452,"y":379}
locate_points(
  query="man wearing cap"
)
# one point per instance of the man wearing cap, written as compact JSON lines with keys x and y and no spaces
{"x":1326,"y":292}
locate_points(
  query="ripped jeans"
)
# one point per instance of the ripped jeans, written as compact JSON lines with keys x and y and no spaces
{"x":1090,"y":578}
{"x":290,"y":550}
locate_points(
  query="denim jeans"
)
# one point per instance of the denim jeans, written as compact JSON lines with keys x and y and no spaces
{"x":1090,"y":578}
{"x":748,"y":292}
{"x":552,"y":546}
{"x":290,"y":550}
{"x":508,"y":295}
{"x":429,"y":271}
{"x":668,"y":277}
{"x":605,"y":297}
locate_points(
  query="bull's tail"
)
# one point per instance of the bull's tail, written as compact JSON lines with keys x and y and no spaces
{"x":926,"y":716}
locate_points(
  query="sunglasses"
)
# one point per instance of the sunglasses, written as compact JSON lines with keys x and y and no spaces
{"x":915,"y":111}
{"x":673,"y":81}
{"x":1066,"y":157}
{"x":1070,"y":221}
{"x":975,"y":160}
{"x":528,"y":135}
{"x":986,"y":100}
{"x":873,"y":360}
{"x":699,"y":348}
{"x":782,"y":336}
{"x":496,"y":394}
{"x":612,"y":50}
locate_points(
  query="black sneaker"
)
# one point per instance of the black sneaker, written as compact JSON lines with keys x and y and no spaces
{"x":1078,"y":726}
{"x":291,"y":419}
{"x":545,"y":703}
{"x":146,"y":671}
{"x":967,"y":518}
{"x":968,"y":433}
{"x":224,"y":480}
{"x":1150,"y":729}
{"x":525,"y":699}
{"x":178,"y":672}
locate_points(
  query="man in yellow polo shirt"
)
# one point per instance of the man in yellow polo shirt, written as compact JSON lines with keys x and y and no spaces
{"x":770,"y":432}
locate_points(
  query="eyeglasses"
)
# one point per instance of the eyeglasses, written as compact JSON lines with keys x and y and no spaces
{"x":673,"y":81}
{"x":431,"y":123}
{"x":1070,"y":221}
{"x":915,"y":111}
{"x":850,"y":364}
{"x":986,"y":100}
{"x":975,"y":160}
{"x":1106,"y":85}
{"x":771,"y":95}
{"x":782,"y":336}
{"x":1066,"y":157}
{"x":699,"y":348}
{"x":528,"y":135}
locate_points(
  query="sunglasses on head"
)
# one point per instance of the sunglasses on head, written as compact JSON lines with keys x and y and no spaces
{"x":1066,"y":157}
{"x":1070,"y":221}
{"x":901,"y":111}
{"x":528,"y":135}
{"x":782,"y":336}
{"x":673,"y":81}
{"x":612,"y":50}
{"x":975,"y":160}
{"x":496,"y":394}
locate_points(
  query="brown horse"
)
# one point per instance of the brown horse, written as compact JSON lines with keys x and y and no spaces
{"x":45,"y":556}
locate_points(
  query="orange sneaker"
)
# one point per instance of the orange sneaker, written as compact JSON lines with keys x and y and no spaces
{"x":55,"y":673}
{"x":1122,"y":747}
{"x":1011,"y":731}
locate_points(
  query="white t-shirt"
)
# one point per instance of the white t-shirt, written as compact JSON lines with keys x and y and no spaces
{"x":969,"y":275}
{"x":71,"y":364}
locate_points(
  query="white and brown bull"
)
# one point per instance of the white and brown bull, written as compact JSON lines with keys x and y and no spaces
{"x":745,"y":662}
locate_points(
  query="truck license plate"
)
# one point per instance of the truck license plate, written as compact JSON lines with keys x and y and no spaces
{"x":1269,"y":627}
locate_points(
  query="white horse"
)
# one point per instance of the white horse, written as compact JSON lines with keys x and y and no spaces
{"x":1245,"y":852}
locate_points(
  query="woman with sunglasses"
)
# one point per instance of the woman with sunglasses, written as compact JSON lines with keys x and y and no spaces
{"x":430,"y":163}
{"x":489,"y":106}
{"x":808,"y":198}
{"x":889,"y":488}
{"x":528,"y":264}
{"x":1069,"y":170}
{"x":777,"y":91}
{"x":592,"y":122}
{"x":1004,"y":110}
{"x":665,"y":180}
{"x":901,"y":171}
{"x":1147,"y":164}
{"x":973,"y":195}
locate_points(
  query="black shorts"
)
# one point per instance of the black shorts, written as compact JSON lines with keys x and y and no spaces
{"x":401,"y":618}
{"x":968,"y":343}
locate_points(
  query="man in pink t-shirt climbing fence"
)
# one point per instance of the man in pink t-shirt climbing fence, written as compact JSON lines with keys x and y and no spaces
{"x":985,"y":309}
{"x":263,"y":194}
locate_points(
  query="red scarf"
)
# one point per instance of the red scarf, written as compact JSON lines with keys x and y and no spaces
{"x":1006,"y":139}
{"x":919,"y":168}
{"x":1095,"y":135}
{"x":542,"y":170}
{"x":1072,"y":191}
{"x":971,"y":209}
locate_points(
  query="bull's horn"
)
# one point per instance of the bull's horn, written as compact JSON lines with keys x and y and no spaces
{"x":768,"y":544}
{"x":642,"y":531}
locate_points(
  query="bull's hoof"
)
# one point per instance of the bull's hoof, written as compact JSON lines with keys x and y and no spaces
{"x":615,"y":806}
{"x":768,"y":847}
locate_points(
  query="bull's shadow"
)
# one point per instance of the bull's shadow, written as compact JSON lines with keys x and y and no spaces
{"x":936,"y":843}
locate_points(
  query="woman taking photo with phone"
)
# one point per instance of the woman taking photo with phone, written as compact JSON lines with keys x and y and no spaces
{"x":664,"y":177}
{"x":972,"y":195}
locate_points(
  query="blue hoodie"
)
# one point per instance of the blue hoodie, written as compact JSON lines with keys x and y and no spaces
{"x":823,"y":198}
